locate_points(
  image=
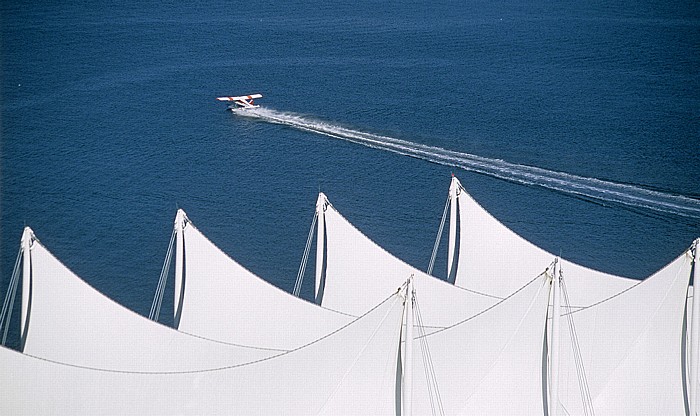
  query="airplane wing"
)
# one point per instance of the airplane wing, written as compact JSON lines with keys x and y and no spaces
{"x":240,"y":98}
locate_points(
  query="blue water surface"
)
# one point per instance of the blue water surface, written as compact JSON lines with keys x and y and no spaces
{"x":109,"y":124}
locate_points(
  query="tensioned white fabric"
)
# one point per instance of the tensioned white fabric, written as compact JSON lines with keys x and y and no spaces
{"x":636,"y":311}
{"x":352,"y":371}
{"x":484,"y":242}
{"x":488,"y":354}
{"x":224,"y":301}
{"x":492,"y":364}
{"x":631,"y":348}
{"x":358,"y":271}
{"x":495,"y":260}
{"x":71,"y":322}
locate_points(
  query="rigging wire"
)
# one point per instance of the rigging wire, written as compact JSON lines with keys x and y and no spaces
{"x":428,"y":366}
{"x":582,"y":308}
{"x":445,"y":328}
{"x":232,"y":366}
{"x":438,"y":238}
{"x":305,"y":257}
{"x":362,"y":350}
{"x":9,"y":302}
{"x":578,"y":358}
{"x":160,"y":289}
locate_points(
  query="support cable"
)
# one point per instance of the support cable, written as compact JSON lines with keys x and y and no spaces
{"x":578,"y":358}
{"x":391,"y":297}
{"x":160,"y":290}
{"x":305,"y":257}
{"x":362,"y":350}
{"x":483,"y":311}
{"x":8,"y":305}
{"x":438,"y":238}
{"x":433,"y":390}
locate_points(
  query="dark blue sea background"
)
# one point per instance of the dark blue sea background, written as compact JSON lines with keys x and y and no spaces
{"x":109,"y":124}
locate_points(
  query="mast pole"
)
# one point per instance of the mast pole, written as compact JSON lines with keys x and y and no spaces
{"x":695,"y":333}
{"x":408,"y":355}
{"x":179,"y":262}
{"x":320,"y":245}
{"x":27,"y":237}
{"x":453,"y":230}
{"x":556,"y":334}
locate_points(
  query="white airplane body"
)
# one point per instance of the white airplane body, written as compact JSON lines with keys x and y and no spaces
{"x":242,"y":102}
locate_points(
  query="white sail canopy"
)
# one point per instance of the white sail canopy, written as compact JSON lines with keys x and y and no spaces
{"x":631,"y":348}
{"x":352,"y":371}
{"x":622,"y":349}
{"x":224,"y":301}
{"x":358,"y":271}
{"x":71,"y":322}
{"x":492,"y":364}
{"x":627,"y":331}
{"x":495,"y":260}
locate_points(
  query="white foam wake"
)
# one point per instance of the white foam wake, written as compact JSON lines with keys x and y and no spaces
{"x":599,"y":189}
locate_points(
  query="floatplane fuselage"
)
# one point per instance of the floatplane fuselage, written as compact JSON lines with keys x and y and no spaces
{"x":242,"y":102}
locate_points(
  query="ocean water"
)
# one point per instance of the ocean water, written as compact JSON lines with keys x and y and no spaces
{"x":577,"y":125}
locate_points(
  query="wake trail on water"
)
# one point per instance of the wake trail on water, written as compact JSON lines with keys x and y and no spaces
{"x":598,"y":189}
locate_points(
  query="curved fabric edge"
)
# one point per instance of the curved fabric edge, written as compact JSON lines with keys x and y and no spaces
{"x":352,"y":371}
{"x":72,"y":322}
{"x":631,"y":348}
{"x":224,"y":301}
{"x":358,"y":271}
{"x":494,"y":259}
{"x":492,"y":364}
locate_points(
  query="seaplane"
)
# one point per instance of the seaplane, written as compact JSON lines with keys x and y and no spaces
{"x":244,"y":102}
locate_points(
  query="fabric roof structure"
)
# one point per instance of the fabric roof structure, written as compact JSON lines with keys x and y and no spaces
{"x":647,"y":315}
{"x":222,"y":300}
{"x":69,"y":321}
{"x":352,"y":371}
{"x":495,"y":260}
{"x":631,"y":347}
{"x":483,"y":240}
{"x":489,"y":365}
{"x":357,"y":271}
{"x":389,"y":339}
{"x":360,"y":359}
